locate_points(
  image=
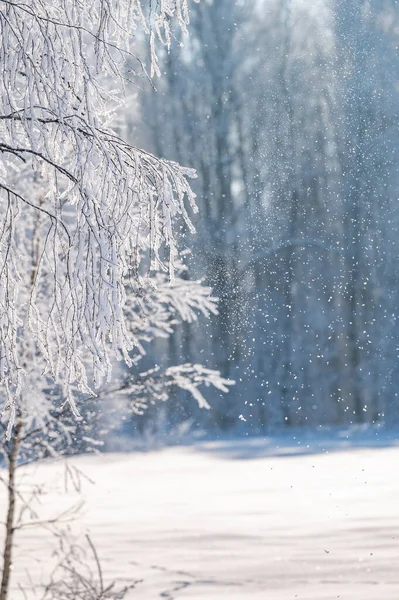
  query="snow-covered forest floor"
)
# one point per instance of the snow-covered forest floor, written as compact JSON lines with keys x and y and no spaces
{"x":309,"y":517}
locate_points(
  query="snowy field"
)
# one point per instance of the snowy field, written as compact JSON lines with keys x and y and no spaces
{"x":247,"y":520}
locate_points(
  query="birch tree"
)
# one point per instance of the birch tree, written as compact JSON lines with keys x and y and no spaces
{"x":89,"y":265}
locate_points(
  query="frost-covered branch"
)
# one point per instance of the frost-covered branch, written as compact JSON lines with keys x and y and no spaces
{"x":78,"y":574}
{"x":82,"y":212}
{"x":156,"y":385}
{"x":154,"y":306}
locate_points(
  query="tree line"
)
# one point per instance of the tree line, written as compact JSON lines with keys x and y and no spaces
{"x":289,"y":114}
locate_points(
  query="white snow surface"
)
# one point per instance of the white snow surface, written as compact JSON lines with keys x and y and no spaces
{"x":232,"y":520}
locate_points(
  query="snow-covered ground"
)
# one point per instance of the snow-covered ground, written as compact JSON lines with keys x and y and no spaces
{"x":254,"y":520}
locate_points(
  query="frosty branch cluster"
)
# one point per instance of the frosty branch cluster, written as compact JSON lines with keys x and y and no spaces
{"x":87,"y":221}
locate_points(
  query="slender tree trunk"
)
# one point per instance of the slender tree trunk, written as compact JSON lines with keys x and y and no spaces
{"x":9,"y":538}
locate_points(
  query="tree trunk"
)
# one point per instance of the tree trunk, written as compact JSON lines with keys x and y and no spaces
{"x":9,"y":538}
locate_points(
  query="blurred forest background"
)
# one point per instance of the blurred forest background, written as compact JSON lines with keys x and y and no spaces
{"x":288,"y":110}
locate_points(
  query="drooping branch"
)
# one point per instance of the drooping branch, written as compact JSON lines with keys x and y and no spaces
{"x":113,"y":209}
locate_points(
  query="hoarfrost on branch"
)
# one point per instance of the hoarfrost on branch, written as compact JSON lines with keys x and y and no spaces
{"x":87,"y":221}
